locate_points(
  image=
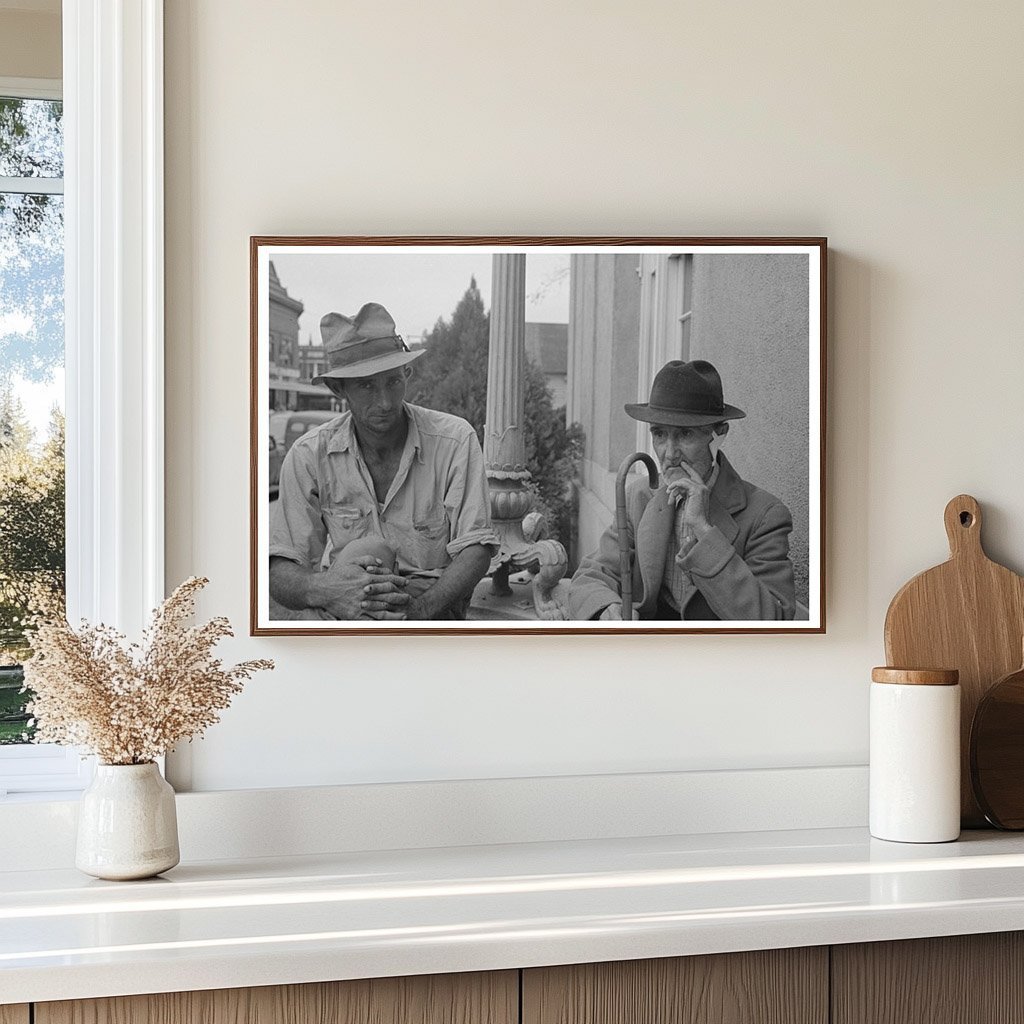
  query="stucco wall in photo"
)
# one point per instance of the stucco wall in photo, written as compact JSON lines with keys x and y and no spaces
{"x":750,"y":320}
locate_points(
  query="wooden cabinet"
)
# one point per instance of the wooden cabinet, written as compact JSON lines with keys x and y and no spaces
{"x":970,"y":979}
{"x":777,"y":986}
{"x":966,"y":979}
{"x":963,"y":979}
{"x":491,"y":998}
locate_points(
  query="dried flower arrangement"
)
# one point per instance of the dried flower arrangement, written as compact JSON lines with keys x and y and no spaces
{"x":130,"y":704}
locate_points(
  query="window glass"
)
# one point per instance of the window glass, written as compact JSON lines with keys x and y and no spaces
{"x":31,"y":138}
{"x":31,"y":386}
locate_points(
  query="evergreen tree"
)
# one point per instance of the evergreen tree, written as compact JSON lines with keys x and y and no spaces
{"x":452,"y":377}
{"x":553,"y":454}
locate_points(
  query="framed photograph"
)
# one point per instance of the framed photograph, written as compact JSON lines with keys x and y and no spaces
{"x":537,"y":435}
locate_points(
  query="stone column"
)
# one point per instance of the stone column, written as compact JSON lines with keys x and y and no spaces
{"x":505,"y":446}
{"x":505,"y":358}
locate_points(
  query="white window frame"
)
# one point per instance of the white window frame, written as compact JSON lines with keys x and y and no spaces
{"x":32,"y":89}
{"x":666,"y":311}
{"x":114,"y":336}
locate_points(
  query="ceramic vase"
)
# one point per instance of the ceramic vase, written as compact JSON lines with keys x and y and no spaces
{"x":127,"y":825}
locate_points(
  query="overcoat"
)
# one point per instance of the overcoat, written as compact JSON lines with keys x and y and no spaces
{"x":740,"y":570}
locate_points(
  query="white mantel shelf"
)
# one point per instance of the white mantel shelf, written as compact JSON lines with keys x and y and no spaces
{"x":225,"y":924}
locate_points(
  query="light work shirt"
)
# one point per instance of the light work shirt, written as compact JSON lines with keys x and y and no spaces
{"x":437,"y":504}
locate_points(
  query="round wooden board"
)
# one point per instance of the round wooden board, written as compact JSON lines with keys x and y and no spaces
{"x":997,"y":752}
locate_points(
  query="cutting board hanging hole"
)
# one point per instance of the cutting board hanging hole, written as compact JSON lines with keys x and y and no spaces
{"x":963,"y":526}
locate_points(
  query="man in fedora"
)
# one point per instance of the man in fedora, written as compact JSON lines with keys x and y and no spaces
{"x":383,"y":512}
{"x":708,"y":545}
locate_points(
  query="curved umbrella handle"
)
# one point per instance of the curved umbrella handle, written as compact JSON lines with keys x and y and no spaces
{"x":622,"y":526}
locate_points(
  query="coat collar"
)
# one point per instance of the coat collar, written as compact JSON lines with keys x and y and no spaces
{"x":727,"y":498}
{"x":729,"y":491}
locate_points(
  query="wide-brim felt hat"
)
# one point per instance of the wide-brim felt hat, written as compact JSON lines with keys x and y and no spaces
{"x":685,"y":395}
{"x":362,"y":345}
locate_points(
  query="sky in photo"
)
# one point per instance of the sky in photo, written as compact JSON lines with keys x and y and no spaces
{"x":416,"y":289}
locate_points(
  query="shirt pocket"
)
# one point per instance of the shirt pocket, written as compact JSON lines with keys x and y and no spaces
{"x":346,"y":523}
{"x":429,"y":541}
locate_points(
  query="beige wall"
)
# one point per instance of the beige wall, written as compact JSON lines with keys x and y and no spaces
{"x":29,"y":45}
{"x":892,"y":128}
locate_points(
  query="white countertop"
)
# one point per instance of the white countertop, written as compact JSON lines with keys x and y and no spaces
{"x":224,"y":924}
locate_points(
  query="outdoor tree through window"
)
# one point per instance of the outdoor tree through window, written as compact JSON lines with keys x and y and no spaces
{"x":31,"y":385}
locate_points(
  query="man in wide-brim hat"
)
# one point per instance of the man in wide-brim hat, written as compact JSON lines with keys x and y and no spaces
{"x":708,"y":545}
{"x":383,"y":512}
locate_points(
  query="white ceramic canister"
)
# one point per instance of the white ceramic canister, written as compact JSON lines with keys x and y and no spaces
{"x":915,"y":755}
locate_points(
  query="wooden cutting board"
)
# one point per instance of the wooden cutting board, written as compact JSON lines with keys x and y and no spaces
{"x":967,"y":614}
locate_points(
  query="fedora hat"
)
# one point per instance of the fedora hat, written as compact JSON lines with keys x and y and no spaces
{"x":362,"y":345}
{"x":685,"y":395}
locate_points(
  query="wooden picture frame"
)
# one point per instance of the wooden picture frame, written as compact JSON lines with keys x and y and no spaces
{"x":539,"y":344}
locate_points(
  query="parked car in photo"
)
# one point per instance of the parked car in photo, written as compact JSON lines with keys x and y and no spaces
{"x":276,"y":457}
{"x":278,"y":425}
{"x":288,"y":426}
{"x":285,"y":429}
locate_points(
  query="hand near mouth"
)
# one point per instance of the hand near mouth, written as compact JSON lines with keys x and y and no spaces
{"x":685,"y":487}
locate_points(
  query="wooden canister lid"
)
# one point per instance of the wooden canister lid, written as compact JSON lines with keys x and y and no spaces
{"x":916,"y":676}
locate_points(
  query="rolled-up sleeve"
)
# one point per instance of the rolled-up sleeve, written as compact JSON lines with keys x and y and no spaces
{"x":297,"y":530}
{"x":467,"y":499}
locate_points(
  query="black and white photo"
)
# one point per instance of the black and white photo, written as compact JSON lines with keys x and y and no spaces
{"x":537,"y":435}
